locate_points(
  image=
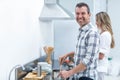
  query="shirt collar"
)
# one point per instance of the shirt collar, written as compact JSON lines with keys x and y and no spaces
{"x":86,"y":27}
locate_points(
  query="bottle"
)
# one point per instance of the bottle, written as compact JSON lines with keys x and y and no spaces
{"x":110,"y":66}
{"x":39,"y":70}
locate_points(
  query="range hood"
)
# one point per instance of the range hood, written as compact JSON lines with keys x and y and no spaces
{"x":53,"y":10}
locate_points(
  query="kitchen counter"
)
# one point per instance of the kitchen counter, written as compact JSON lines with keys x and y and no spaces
{"x":33,"y":76}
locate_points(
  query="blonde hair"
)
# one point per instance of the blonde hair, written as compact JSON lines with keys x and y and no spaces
{"x":104,"y":20}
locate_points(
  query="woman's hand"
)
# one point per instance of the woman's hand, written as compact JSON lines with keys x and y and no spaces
{"x":101,"y":56}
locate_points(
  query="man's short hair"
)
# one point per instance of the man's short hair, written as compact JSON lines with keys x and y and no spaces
{"x":83,"y":4}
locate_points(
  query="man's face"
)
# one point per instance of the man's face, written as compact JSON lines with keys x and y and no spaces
{"x":82,"y":16}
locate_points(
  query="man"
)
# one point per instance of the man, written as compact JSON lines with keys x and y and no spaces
{"x":86,"y":54}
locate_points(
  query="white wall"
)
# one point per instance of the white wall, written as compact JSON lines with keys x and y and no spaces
{"x":100,"y":5}
{"x":47,"y":32}
{"x":114,"y":12}
{"x":20,"y":37}
{"x":65,"y":36}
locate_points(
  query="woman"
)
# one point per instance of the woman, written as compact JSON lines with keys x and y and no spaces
{"x":106,"y":42}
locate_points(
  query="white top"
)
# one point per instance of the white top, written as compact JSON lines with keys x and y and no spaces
{"x":105,"y":43}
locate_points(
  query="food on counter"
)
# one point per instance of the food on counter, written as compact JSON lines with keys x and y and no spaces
{"x":48,"y":50}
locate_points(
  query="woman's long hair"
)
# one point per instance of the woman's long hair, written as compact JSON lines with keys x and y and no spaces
{"x":104,"y":20}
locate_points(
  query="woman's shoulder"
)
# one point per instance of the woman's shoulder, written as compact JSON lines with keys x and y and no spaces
{"x":106,"y":34}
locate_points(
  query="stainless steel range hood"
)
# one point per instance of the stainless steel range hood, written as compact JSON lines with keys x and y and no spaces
{"x":53,"y":10}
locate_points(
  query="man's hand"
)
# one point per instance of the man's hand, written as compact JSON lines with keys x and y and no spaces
{"x":65,"y":74}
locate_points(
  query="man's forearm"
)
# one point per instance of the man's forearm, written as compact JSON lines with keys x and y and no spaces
{"x":80,"y":67}
{"x":70,"y":54}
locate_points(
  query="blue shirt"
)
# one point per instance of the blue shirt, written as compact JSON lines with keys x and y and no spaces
{"x":87,"y":51}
